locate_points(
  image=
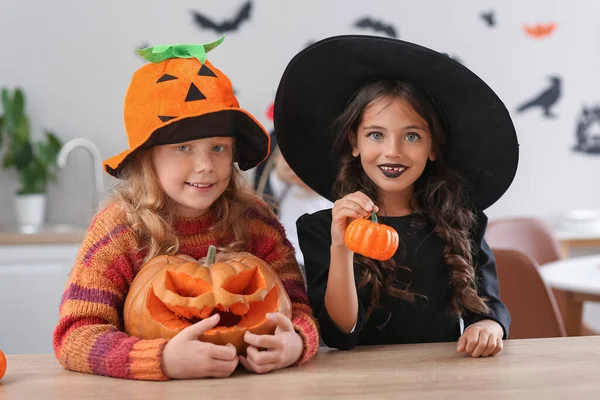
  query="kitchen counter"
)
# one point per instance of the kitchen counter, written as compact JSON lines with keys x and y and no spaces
{"x":51,"y":234}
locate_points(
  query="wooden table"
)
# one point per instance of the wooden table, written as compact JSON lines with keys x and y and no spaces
{"x":580,"y":278}
{"x":558,"y":368}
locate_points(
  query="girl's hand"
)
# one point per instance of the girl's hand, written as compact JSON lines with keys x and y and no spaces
{"x":279,"y":350}
{"x":481,"y":339}
{"x":352,"y":206}
{"x":185,"y":357}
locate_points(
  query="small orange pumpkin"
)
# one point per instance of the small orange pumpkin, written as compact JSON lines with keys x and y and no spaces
{"x":2,"y":364}
{"x":173,"y":292}
{"x":371,"y":239}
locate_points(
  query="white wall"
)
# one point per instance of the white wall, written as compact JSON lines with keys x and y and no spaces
{"x":74,"y":60}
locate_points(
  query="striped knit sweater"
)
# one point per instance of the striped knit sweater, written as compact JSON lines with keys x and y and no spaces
{"x":89,"y":336}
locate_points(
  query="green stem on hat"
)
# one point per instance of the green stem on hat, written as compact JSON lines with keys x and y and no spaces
{"x":210,"y":256}
{"x":373,"y":217}
{"x":156,"y":54}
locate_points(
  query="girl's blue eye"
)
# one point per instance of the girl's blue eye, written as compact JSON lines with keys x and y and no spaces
{"x":375,"y":135}
{"x":412,"y":137}
{"x":183,"y":147}
{"x":219,"y":148}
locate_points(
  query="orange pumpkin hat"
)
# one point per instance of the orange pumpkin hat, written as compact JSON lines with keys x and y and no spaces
{"x":180,"y":96}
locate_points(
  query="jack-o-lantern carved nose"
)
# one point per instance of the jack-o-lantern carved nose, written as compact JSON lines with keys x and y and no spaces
{"x":194,"y":94}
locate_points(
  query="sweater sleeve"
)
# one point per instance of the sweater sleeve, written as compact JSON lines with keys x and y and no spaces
{"x":487,"y":281}
{"x":315,"y":241}
{"x":89,"y":336}
{"x":272,"y":245}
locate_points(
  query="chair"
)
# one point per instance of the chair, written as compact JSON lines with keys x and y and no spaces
{"x":535,"y":238}
{"x":531,"y":236}
{"x":529,"y":300}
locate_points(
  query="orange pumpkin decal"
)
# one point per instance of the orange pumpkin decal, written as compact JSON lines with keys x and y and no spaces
{"x":2,"y":364}
{"x":371,"y":239}
{"x":173,"y":292}
{"x":539,"y":31}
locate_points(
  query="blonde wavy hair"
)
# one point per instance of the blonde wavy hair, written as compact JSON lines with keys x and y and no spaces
{"x":150,"y":211}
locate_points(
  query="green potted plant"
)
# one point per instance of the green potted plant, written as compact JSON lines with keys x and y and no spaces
{"x":35,"y":163}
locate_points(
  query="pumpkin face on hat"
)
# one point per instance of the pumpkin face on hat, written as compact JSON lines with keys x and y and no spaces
{"x":172,"y":292}
{"x":180,"y":96}
{"x":175,"y":89}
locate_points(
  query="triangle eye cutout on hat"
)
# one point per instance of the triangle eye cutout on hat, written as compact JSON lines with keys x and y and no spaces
{"x":166,"y":77}
{"x":205,"y":71}
{"x":194,"y":94}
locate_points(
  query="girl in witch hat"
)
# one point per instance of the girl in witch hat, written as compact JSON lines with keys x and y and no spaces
{"x":179,"y":193}
{"x":405,"y":134}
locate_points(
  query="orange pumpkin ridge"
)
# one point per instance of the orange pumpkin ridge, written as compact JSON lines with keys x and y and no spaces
{"x":172,"y":292}
{"x":371,"y":239}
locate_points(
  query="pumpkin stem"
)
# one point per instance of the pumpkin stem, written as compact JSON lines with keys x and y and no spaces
{"x":210,"y":256}
{"x":156,"y":54}
{"x":373,"y":217}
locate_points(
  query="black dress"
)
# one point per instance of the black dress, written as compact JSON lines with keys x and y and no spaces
{"x":397,"y":321}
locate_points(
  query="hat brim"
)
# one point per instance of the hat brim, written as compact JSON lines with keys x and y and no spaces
{"x":319,"y":81}
{"x":251,"y":139}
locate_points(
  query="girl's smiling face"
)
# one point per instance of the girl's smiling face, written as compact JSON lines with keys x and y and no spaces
{"x":195,"y":173}
{"x":394,"y":144}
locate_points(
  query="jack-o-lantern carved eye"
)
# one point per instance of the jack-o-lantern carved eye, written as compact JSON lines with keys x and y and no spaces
{"x":246,"y":282}
{"x":185,"y":285}
{"x":173,"y":292}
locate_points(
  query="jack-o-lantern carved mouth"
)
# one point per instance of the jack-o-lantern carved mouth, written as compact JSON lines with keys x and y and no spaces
{"x":170,"y":293}
{"x":241,"y":314}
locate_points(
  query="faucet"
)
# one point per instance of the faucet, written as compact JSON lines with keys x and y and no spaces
{"x":96,"y":160}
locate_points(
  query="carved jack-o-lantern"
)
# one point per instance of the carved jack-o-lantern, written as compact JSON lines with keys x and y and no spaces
{"x":173,"y":292}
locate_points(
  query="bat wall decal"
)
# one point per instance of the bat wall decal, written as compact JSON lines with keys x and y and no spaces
{"x":539,"y":31}
{"x":226,"y":26}
{"x":489,"y":18}
{"x":377,"y":26}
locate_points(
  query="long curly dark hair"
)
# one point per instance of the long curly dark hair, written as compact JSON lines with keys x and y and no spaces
{"x":440,"y":196}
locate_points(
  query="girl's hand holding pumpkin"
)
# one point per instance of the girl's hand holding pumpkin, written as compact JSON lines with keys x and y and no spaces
{"x":481,"y":339}
{"x":281,"y":349}
{"x":352,"y":206}
{"x":186,"y":357}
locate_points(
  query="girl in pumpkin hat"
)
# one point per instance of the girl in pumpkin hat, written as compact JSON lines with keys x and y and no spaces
{"x":179,"y":193}
{"x":400,"y":132}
